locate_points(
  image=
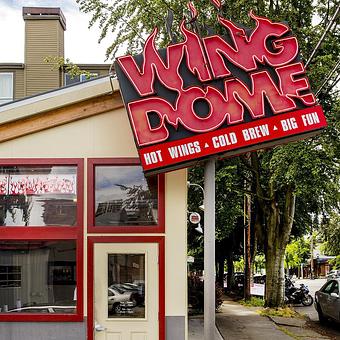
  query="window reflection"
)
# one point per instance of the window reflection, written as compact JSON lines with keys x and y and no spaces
{"x":126,"y":286}
{"x":37,"y":277}
{"x":123,"y":196}
{"x":38,"y":196}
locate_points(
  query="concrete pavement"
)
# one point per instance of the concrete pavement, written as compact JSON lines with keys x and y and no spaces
{"x":236,"y":322}
{"x":241,"y":323}
{"x":196,"y":329}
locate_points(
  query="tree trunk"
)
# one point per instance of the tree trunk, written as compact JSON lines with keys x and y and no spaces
{"x":275,"y":280}
{"x":274,"y":221}
{"x":220,"y":270}
{"x":230,"y":275}
{"x":278,"y":231}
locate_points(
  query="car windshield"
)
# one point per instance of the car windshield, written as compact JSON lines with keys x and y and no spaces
{"x":119,"y":290}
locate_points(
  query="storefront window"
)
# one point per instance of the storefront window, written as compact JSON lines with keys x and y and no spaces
{"x":38,"y":195}
{"x":38,"y":277}
{"x":126,"y":286}
{"x":124,"y":197}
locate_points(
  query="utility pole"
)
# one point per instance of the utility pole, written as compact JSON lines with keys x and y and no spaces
{"x":247,"y":253}
{"x":311,"y":250}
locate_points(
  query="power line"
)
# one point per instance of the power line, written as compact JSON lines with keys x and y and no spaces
{"x":330,"y":24}
{"x":328,"y":77}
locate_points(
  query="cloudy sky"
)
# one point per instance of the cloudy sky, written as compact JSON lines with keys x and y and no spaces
{"x":85,"y":50}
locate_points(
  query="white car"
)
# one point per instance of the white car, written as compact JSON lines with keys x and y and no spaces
{"x":118,"y":298}
{"x":327,"y":301}
{"x":333,"y":274}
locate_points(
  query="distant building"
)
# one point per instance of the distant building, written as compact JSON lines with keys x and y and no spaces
{"x":44,"y":36}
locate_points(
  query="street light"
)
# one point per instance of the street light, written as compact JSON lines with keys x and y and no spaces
{"x":197,"y":186}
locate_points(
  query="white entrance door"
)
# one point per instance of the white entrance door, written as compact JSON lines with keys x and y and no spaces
{"x":126,"y":298}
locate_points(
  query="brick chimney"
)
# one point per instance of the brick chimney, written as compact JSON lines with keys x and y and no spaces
{"x":44,"y":36}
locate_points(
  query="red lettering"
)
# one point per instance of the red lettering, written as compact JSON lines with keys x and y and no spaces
{"x":248,"y":50}
{"x":230,"y":107}
{"x":143,"y":79}
{"x":262,"y":85}
{"x":220,"y":108}
{"x":139,"y":110}
{"x":291,"y":86}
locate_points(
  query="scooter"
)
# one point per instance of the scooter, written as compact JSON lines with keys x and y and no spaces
{"x":294,"y":295}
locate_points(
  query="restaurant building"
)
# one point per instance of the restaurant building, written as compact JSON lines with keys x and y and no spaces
{"x":90,"y":248}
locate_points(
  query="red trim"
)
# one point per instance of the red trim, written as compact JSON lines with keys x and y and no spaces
{"x":91,"y":163}
{"x":52,"y":233}
{"x":90,"y":279}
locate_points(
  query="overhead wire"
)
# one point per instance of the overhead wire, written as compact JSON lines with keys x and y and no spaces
{"x":330,"y":74}
{"x":329,"y":26}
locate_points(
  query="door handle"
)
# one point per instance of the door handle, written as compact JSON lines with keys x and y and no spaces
{"x":99,"y":328}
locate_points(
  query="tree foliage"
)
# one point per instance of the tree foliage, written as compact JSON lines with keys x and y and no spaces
{"x":331,"y":233}
{"x":297,"y":252}
{"x":288,"y":183}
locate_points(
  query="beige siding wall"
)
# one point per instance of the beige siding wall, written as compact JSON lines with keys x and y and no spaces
{"x":19,"y":91}
{"x":109,"y":135}
{"x":18,"y":81}
{"x":42,"y":38}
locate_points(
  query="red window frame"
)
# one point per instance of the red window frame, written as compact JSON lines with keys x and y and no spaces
{"x":52,"y":233}
{"x":91,"y":228}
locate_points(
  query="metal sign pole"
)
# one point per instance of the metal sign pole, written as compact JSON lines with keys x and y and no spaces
{"x":209,"y":250}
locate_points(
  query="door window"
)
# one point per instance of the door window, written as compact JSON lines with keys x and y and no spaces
{"x":126,"y":286}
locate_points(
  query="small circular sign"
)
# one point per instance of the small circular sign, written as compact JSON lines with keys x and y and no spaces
{"x":195,"y":218}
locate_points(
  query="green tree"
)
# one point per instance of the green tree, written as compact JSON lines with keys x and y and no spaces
{"x":228,"y":210}
{"x":331,"y":234}
{"x":303,"y":174}
{"x":297,"y":252}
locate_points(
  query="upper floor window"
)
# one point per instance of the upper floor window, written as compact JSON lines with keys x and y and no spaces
{"x":78,"y":79}
{"x":6,"y":87}
{"x":122,"y":199}
{"x":44,"y":195}
{"x":123,"y":196}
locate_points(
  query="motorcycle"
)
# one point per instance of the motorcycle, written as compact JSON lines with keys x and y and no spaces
{"x":294,"y":295}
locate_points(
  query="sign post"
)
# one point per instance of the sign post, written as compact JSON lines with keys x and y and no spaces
{"x":209,"y":250}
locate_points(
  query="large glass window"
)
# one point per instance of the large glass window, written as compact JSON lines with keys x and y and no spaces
{"x":124,"y":197}
{"x":38,"y":195}
{"x":126,"y":286}
{"x":38,"y":276}
{"x":6,"y":87}
{"x":41,"y":259}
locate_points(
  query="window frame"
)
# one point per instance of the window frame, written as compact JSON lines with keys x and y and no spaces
{"x":55,"y":233}
{"x":92,"y":228}
{"x":7,"y":99}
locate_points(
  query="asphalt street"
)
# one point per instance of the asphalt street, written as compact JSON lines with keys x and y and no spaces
{"x":314,"y":285}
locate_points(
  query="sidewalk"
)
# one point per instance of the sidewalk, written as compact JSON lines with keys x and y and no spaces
{"x":236,"y":322}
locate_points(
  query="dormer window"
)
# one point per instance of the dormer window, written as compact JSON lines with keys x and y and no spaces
{"x":78,"y":79}
{"x":6,"y":87}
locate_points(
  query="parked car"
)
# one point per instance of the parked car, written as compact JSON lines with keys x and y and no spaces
{"x":137,"y":293}
{"x":260,"y":279}
{"x":117,"y":298}
{"x":327,"y":301}
{"x":333,"y":274}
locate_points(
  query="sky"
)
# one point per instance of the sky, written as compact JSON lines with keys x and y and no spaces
{"x":84,"y":50}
